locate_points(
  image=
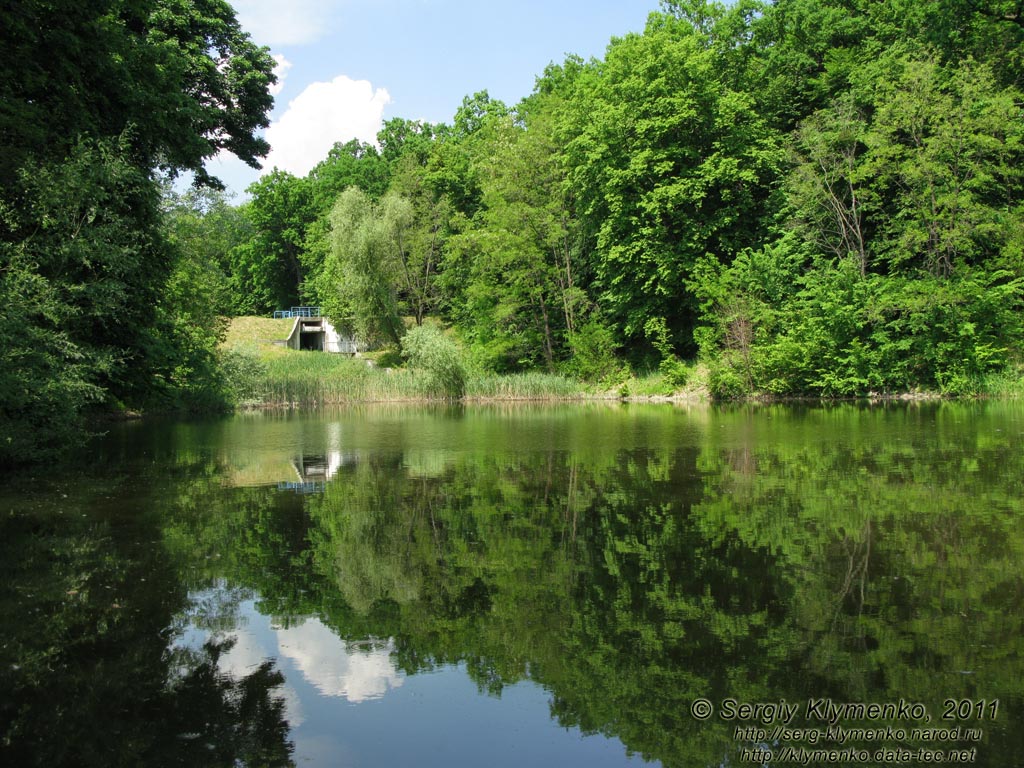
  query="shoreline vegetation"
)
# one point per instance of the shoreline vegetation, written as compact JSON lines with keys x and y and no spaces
{"x":269,"y":377}
{"x":262,"y":375}
{"x":806,"y":200}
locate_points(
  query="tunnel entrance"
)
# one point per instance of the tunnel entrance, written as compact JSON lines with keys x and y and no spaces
{"x":312,"y":341}
{"x":314,"y":333}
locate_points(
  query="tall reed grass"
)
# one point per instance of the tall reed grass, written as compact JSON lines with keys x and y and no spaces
{"x":292,"y":378}
{"x":261,"y":374}
{"x":524,"y":386}
{"x":1006,"y":385}
{"x":310,"y":378}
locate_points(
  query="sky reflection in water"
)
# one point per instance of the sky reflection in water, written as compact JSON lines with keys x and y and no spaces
{"x":499,"y":586}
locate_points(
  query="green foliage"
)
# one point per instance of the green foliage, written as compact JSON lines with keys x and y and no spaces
{"x":181,"y":80}
{"x":203,"y":225}
{"x":267,"y":269}
{"x":844,"y":334}
{"x":671,"y":367}
{"x":353,"y":164}
{"x":76,"y":290}
{"x":957,"y":332}
{"x":244,"y":373}
{"x":102,"y":307}
{"x":1006,"y":384}
{"x":383,"y":260}
{"x":809,"y":50}
{"x":400,"y":138}
{"x":45,"y":378}
{"x":357,"y":287}
{"x":426,"y":227}
{"x":946,"y":151}
{"x":522,"y":300}
{"x":830,"y":187}
{"x":429,"y":350}
{"x":669,"y":163}
{"x":593,"y":349}
{"x":450,"y":168}
{"x":188,"y":371}
{"x":907,"y":277}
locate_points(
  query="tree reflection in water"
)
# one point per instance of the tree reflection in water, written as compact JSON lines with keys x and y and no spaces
{"x":630,"y":563}
{"x":88,"y":598}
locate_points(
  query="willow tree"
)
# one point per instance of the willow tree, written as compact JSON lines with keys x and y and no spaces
{"x":358,"y":286}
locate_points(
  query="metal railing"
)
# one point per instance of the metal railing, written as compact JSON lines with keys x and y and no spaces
{"x":309,"y":486}
{"x":297,"y":312}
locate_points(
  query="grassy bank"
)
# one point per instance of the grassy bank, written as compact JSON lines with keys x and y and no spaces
{"x":525,"y":386}
{"x":1008,"y":385}
{"x":257,"y":332}
{"x":265,"y":375}
{"x":291,"y":378}
{"x":310,"y":378}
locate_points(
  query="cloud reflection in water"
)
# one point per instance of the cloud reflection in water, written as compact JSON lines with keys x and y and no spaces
{"x":336,"y":670}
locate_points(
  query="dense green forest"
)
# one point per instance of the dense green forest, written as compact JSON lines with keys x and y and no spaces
{"x":812,"y":197}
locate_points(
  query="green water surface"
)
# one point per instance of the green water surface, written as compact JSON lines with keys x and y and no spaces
{"x":588,"y":585}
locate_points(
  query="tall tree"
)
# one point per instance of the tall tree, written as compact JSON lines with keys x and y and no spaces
{"x":180,"y":80}
{"x":829,"y":185}
{"x":945,"y":151}
{"x":400,"y":137}
{"x":524,"y":302}
{"x":670,"y":164}
{"x":352,"y":164}
{"x":358,"y":284}
{"x":424,"y":239}
{"x":269,"y":267}
{"x":204,"y":225}
{"x":96,"y":98}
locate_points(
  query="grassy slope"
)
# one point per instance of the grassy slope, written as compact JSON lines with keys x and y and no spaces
{"x":291,"y":377}
{"x":259,"y":331}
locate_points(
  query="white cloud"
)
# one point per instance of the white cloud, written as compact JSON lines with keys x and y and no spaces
{"x":271,"y":22}
{"x":321,"y":115}
{"x":281,"y":70}
{"x":357,"y":675}
{"x":245,"y":656}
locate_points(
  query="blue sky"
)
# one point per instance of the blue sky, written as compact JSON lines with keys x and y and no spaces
{"x":347,"y":65}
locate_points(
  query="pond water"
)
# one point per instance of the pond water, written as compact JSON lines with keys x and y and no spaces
{"x":591,"y":585}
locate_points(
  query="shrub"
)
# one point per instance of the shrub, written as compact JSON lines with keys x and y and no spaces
{"x":593,"y":352}
{"x":428,"y":350}
{"x":244,"y":374}
{"x":725,"y":382}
